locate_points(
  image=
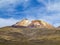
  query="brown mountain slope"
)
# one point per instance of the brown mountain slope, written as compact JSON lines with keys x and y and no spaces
{"x":29,"y":36}
{"x":58,"y":27}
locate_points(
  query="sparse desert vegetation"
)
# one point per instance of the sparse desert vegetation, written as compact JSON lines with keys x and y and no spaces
{"x":29,"y":36}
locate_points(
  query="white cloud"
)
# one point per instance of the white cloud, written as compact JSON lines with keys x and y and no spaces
{"x":7,"y":22}
{"x":4,"y":3}
{"x":53,"y":13}
{"x":43,"y":1}
{"x":53,"y":6}
{"x":57,"y":24}
{"x":52,"y":19}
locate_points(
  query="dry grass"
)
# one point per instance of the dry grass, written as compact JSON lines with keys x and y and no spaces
{"x":28,"y":36}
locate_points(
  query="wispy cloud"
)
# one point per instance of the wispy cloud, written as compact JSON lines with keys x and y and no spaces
{"x":53,"y":6}
{"x":48,"y":10}
{"x":7,"y":22}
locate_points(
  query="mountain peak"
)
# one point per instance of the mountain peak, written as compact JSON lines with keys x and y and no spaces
{"x":40,"y":24}
{"x":24,"y":22}
{"x":33,"y":24}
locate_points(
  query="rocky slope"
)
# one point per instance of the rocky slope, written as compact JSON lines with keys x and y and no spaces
{"x":29,"y":36}
{"x":36,"y":32}
{"x":58,"y":27}
{"x":24,"y":22}
{"x":33,"y":24}
{"x":40,"y":24}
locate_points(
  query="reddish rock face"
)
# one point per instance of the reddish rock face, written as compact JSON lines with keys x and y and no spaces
{"x":40,"y":24}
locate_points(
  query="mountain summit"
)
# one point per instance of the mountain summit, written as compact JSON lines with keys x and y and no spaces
{"x":33,"y":24}
{"x":22,"y":23}
{"x":40,"y":24}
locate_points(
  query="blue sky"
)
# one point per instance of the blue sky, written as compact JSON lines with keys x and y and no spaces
{"x":12,"y":11}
